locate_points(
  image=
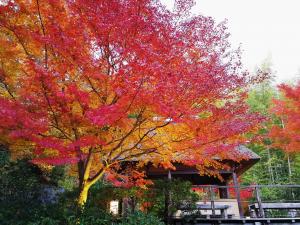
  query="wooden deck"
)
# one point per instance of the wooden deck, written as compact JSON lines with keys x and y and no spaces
{"x":251,"y":221}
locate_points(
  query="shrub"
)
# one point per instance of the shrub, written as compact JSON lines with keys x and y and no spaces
{"x":139,"y":218}
{"x":22,"y":183}
{"x":180,"y":191}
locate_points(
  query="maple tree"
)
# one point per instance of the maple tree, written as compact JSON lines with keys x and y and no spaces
{"x":285,"y":134}
{"x":98,"y":83}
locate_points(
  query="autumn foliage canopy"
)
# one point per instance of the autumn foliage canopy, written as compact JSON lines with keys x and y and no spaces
{"x":286,"y":134}
{"x":97,"y":83}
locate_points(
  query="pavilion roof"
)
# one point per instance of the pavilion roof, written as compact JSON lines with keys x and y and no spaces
{"x":192,"y":174}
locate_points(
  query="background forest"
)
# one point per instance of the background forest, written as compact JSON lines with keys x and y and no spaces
{"x":276,"y":166}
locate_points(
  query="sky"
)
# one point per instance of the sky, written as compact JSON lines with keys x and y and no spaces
{"x":266,"y":30}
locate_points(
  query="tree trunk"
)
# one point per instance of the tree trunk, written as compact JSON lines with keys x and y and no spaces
{"x":83,"y":195}
{"x":270,"y":166}
{"x":289,"y":167}
{"x":86,"y":184}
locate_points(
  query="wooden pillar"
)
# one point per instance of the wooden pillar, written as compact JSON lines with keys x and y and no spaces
{"x":168,"y":200}
{"x":238,"y":193}
{"x":212,"y":200}
{"x":224,"y":192}
{"x":260,"y":208}
{"x":125,"y":206}
{"x":132,"y":204}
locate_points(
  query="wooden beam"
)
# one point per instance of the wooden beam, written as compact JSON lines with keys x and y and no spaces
{"x":168,"y":200}
{"x":261,"y":210}
{"x":238,"y":194}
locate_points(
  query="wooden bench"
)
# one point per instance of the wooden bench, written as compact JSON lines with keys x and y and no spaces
{"x":200,"y":207}
{"x":256,"y":209}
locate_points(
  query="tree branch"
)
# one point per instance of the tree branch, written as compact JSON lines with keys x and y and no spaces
{"x":140,"y":140}
{"x":44,"y":32}
{"x":19,"y":40}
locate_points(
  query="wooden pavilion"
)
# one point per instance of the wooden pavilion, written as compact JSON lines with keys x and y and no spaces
{"x":222,"y":209}
{"x":192,"y":174}
{"x":233,"y":208}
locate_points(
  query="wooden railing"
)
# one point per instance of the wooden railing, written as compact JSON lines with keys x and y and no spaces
{"x":256,"y":195}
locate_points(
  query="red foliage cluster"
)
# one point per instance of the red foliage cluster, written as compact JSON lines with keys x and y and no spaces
{"x":286,"y":134}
